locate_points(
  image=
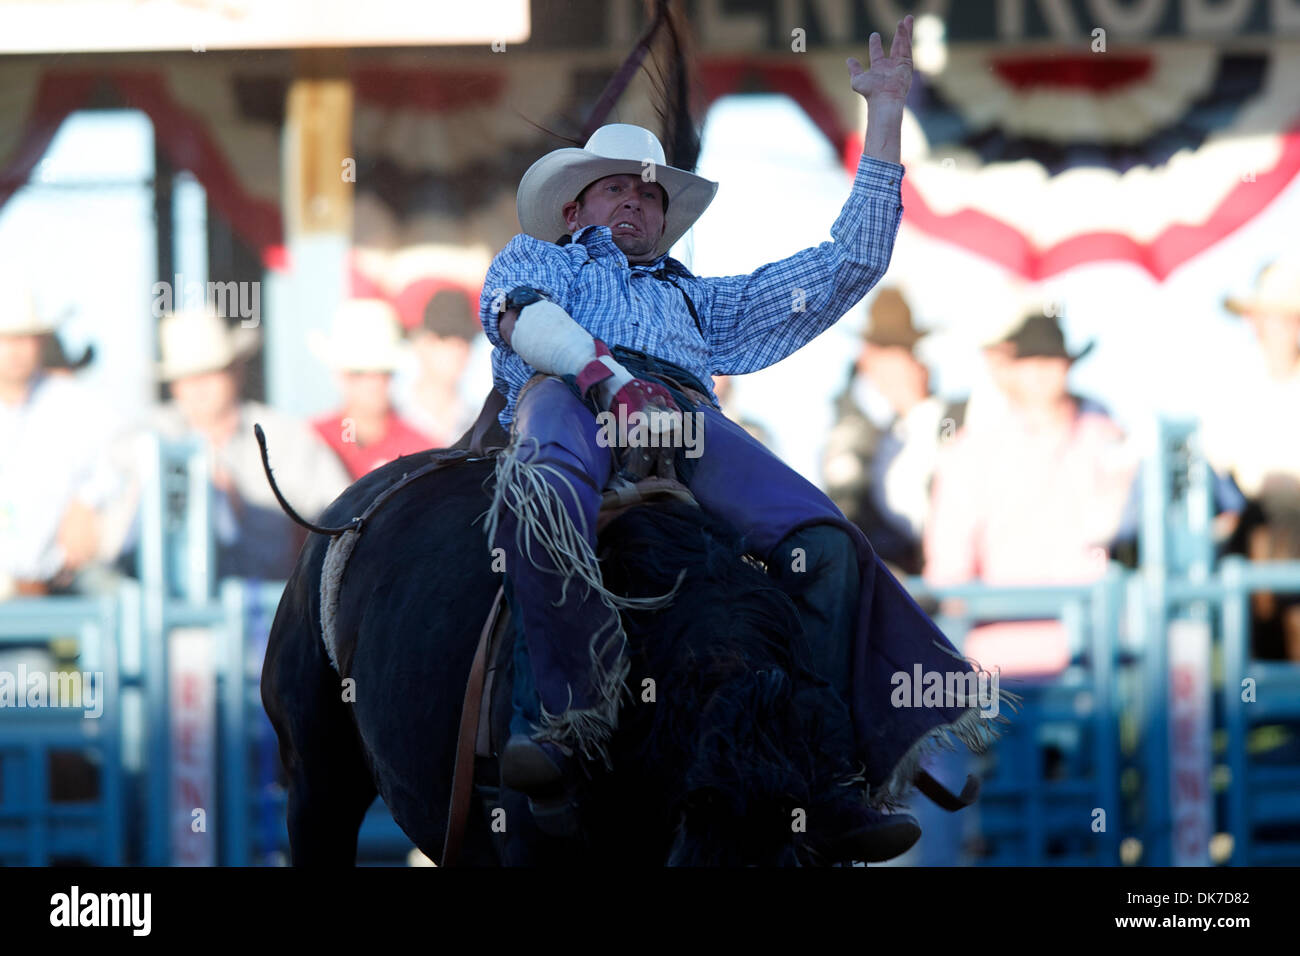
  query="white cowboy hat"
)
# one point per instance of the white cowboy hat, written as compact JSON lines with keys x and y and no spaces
{"x":196,"y":341}
{"x":21,"y":316}
{"x":366,"y":337}
{"x":1276,"y":290}
{"x":615,"y":149}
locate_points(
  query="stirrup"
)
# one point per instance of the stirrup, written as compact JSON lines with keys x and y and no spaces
{"x":527,"y":767}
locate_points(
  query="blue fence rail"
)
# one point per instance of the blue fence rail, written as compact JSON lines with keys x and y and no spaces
{"x":81,"y":736}
{"x":1058,"y":759}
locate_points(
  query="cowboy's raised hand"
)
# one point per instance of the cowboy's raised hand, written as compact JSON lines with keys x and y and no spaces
{"x":889,"y":77}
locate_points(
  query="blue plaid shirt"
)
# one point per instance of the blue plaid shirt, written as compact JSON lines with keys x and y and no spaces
{"x":747,"y":322}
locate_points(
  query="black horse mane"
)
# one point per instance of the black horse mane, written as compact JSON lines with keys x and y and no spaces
{"x":736,"y":724}
{"x":669,"y":72}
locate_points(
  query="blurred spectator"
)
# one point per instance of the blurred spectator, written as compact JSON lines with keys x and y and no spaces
{"x":442,"y":344}
{"x":1032,"y":498}
{"x":990,"y":398}
{"x":1250,"y":433}
{"x":364,"y":347}
{"x":882,"y":448}
{"x":55,"y":472}
{"x":202,"y":364}
{"x":725,"y":390}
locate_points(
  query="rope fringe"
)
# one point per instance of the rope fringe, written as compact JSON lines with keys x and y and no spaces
{"x":528,"y":490}
{"x":972,"y":729}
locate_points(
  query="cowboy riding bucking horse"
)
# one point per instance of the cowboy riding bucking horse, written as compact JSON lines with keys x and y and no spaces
{"x":589,"y":315}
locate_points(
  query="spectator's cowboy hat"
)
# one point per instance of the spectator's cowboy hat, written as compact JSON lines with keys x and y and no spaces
{"x":615,"y":149}
{"x":890,"y":322}
{"x":25,"y":319}
{"x":451,"y":314}
{"x":1039,"y":336}
{"x":366,"y":337}
{"x":22,"y":317}
{"x":197,"y":341}
{"x":1277,"y":290}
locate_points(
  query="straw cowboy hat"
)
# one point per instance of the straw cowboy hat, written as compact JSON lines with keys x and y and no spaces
{"x":197,"y":341}
{"x":1277,"y":289}
{"x":366,"y":337}
{"x":22,"y":317}
{"x":615,"y":149}
{"x":891,"y":322}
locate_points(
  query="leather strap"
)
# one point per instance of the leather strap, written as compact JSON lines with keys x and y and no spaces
{"x":462,"y":782}
{"x":622,"y":496}
{"x":944,"y":798}
{"x":596,"y":370}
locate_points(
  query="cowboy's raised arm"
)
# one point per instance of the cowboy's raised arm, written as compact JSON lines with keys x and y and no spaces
{"x":758,"y":319}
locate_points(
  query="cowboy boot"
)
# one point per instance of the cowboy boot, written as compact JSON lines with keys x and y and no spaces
{"x":553,"y":682}
{"x":859,"y":833}
{"x":528,"y":766}
{"x":542,"y":772}
{"x":534,"y":767}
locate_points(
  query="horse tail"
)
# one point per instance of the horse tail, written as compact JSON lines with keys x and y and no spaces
{"x":288,"y":508}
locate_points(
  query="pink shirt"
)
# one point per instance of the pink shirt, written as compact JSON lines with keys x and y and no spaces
{"x":1015,"y":507}
{"x":399,"y":439}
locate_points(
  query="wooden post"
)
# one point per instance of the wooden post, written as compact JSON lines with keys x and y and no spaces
{"x":319,"y":166}
{"x":319,"y":173}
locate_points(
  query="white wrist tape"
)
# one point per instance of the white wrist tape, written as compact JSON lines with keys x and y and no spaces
{"x":548,"y":339}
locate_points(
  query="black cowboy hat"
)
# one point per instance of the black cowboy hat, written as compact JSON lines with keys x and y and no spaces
{"x":450,"y":313}
{"x":891,"y":322}
{"x":1040,"y":336}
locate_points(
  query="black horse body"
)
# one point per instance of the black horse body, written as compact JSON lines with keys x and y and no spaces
{"x":718,"y":756}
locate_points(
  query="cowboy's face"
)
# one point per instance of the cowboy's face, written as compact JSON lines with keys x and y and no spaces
{"x":895,"y":371}
{"x":365,"y":393}
{"x":20,"y":358}
{"x":632,"y":208}
{"x":206,"y":397}
{"x":1278,"y":332}
{"x":442,"y":357}
{"x":1040,"y":380}
{"x":1000,"y":358}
